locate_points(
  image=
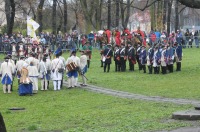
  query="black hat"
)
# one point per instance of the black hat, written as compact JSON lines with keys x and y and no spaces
{"x":20,"y":42}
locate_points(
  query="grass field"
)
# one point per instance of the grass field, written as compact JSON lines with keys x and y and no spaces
{"x":81,"y":110}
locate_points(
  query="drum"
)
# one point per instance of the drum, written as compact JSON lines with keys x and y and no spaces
{"x":71,"y":66}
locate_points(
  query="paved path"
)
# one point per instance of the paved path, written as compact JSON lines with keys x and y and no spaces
{"x":139,"y":96}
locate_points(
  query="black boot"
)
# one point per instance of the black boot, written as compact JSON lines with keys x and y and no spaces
{"x":108,"y":68}
{"x":144,"y":68}
{"x":155,"y":70}
{"x":178,"y":66}
{"x":158,"y":69}
{"x":88,"y":63}
{"x":172,"y":67}
{"x":101,"y":63}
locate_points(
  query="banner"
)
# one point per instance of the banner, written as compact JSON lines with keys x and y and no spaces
{"x":32,"y":26}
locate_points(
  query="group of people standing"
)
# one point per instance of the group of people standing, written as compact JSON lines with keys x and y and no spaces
{"x":132,"y":49}
{"x":33,"y":67}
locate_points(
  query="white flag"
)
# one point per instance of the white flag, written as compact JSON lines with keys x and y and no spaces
{"x":31,"y":27}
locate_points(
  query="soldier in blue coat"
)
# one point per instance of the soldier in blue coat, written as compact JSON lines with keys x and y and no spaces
{"x":178,"y":56}
{"x":170,"y":59}
{"x":108,"y":53}
{"x":150,"y":59}
{"x":156,"y":60}
{"x":143,"y":58}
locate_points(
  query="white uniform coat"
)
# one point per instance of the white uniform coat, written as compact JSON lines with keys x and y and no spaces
{"x":19,"y":65}
{"x":55,"y":65}
{"x":83,"y":61}
{"x":6,"y":68}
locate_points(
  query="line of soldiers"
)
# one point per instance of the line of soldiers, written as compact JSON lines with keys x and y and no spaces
{"x":154,"y":57}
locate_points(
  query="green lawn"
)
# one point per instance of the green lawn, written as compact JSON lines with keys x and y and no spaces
{"x":81,"y":110}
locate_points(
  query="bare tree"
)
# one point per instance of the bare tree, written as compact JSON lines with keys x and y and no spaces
{"x":10,"y":15}
{"x":54,"y":17}
{"x":169,"y":8}
{"x":164,"y":14}
{"x":40,"y":15}
{"x":65,"y":15}
{"x":125,"y":12}
{"x":176,"y":16}
{"x":109,"y":14}
{"x":117,"y":13}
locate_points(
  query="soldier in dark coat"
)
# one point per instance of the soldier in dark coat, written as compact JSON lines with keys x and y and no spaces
{"x":131,"y":57}
{"x":178,"y":57}
{"x":143,"y":58}
{"x":117,"y":58}
{"x":123,"y":57}
{"x":150,"y":54}
{"x":108,"y":54}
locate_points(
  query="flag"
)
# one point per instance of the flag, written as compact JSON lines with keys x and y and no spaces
{"x":32,"y":26}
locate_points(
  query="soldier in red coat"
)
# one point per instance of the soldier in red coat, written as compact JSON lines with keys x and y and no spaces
{"x":126,"y":34}
{"x":108,"y":34}
{"x":117,"y":37}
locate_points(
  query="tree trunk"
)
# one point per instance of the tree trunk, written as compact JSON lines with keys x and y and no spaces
{"x":88,"y":14}
{"x":54,"y":17}
{"x":65,"y":16}
{"x":2,"y":124}
{"x":127,"y":13}
{"x":176,"y":16}
{"x":98,"y":14}
{"x":40,"y":15}
{"x":109,"y":14}
{"x":10,"y":15}
{"x":60,"y":25}
{"x":127,"y":8}
{"x":164,"y":14}
{"x":117,"y":13}
{"x":169,"y":15}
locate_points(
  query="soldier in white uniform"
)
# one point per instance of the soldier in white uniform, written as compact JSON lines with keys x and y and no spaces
{"x":44,"y":73}
{"x":19,"y":66}
{"x":73,"y":75}
{"x":63,"y":60}
{"x":21,"y":48}
{"x":6,"y":72}
{"x":40,"y":52}
{"x":33,"y":76}
{"x":14,"y":52}
{"x":33,"y":59}
{"x":56,"y":72}
{"x":83,"y":67}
